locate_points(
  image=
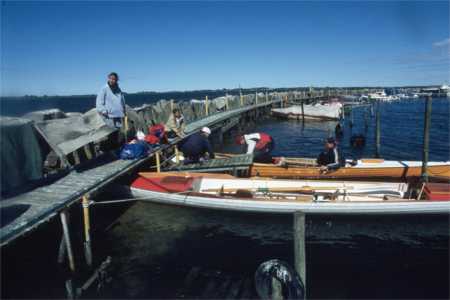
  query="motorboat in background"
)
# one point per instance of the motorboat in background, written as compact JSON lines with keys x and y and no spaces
{"x":318,"y":111}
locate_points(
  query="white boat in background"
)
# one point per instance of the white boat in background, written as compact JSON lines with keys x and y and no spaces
{"x":326,"y":111}
{"x":382,"y":96}
{"x":225,"y":192}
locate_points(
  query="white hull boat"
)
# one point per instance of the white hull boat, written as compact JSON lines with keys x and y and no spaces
{"x":328,"y":111}
{"x":224,"y":192}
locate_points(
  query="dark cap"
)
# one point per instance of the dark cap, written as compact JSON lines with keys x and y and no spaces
{"x":330,"y":140}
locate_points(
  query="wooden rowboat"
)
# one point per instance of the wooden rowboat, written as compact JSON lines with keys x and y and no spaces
{"x":281,"y":196}
{"x":364,"y":169}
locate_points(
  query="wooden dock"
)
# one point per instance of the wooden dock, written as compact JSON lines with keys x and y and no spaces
{"x":236,"y":165}
{"x":27,"y":211}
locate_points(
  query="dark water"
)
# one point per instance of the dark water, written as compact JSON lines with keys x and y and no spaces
{"x":401,"y":132}
{"x":347,"y":257}
{"x":155,"y":246}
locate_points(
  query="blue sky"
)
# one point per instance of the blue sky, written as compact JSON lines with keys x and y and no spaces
{"x":68,"y":47}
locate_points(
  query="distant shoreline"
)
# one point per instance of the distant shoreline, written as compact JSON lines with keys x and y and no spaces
{"x":215,"y":91}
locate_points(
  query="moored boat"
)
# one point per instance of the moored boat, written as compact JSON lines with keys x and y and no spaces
{"x":327,"y":111}
{"x":363,"y":169}
{"x":283,"y":196}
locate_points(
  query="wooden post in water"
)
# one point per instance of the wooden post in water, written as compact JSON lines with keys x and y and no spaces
{"x":378,"y":132}
{"x":256,"y":98}
{"x":267,"y":97}
{"x":87,"y":231}
{"x":158,"y":162}
{"x":303,"y":112}
{"x":300,"y":246}
{"x":426,"y":138}
{"x":171,"y":105}
{"x":242,"y":99}
{"x":177,"y":155}
{"x":65,"y":227}
{"x":206,"y":105}
{"x":351,"y":116}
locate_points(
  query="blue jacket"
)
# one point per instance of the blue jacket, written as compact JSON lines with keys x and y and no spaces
{"x":196,"y":145}
{"x":110,"y":104}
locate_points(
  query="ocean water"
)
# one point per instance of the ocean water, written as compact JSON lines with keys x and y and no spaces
{"x":356,"y":257}
{"x":348,"y":257}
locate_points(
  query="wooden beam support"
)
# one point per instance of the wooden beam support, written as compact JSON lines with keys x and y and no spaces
{"x":426,"y":138}
{"x":300,"y":246}
{"x":87,"y":231}
{"x":65,"y":227}
{"x":177,"y":155}
{"x":158,"y":162}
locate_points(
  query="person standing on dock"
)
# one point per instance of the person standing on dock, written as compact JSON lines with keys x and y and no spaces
{"x":110,"y":103}
{"x":259,"y":144}
{"x":329,"y":158}
{"x":196,"y":146}
{"x":175,"y":125}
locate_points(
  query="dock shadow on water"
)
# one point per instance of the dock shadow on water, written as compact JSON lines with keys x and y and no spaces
{"x":155,"y":247}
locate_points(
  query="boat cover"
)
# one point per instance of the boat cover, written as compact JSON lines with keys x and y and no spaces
{"x":70,"y":134}
{"x":21,"y":157}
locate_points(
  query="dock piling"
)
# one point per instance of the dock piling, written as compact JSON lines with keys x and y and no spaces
{"x":158,"y":162}
{"x":426,"y":138}
{"x":300,"y":246}
{"x":303,"y":112}
{"x":87,"y":231}
{"x":70,"y":292}
{"x":378,"y":132}
{"x":177,"y":155}
{"x":62,"y":250}
{"x":242,"y":98}
{"x":65,"y":227}
{"x":206,"y":106}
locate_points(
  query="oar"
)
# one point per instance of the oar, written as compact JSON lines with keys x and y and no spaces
{"x":281,"y":189}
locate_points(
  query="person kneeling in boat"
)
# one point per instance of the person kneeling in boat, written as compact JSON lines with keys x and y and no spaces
{"x":196,"y":146}
{"x":259,"y":144}
{"x":329,"y":159}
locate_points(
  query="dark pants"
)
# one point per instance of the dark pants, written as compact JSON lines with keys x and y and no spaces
{"x":264,"y":155}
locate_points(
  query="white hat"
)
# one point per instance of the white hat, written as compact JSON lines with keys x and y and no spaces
{"x":206,"y":130}
{"x":140,"y":135}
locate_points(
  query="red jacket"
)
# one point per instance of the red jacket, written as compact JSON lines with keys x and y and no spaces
{"x":263,"y":141}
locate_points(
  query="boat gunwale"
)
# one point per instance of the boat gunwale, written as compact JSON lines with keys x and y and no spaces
{"x":342,"y":207}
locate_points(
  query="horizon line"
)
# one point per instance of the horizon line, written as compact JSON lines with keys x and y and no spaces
{"x":261,"y":88}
